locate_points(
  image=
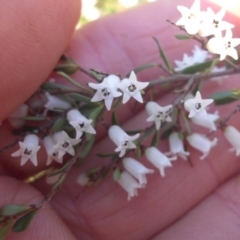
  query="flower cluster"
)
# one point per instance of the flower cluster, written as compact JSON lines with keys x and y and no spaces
{"x":211,"y":25}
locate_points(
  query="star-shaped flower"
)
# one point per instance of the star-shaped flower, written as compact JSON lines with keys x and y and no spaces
{"x":197,"y":105}
{"x":28,"y":149}
{"x":224,"y":46}
{"x":106,"y":90}
{"x":158,"y":114}
{"x":186,"y":62}
{"x":191,"y":17}
{"x":80,"y":123}
{"x":131,"y":87}
{"x":122,"y":140}
{"x":212,"y":23}
{"x":64,"y":144}
{"x":51,"y":150}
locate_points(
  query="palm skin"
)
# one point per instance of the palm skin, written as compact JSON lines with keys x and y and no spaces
{"x":189,"y":203}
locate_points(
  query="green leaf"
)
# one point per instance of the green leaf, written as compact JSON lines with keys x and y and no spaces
{"x":35,"y":118}
{"x":182,"y":37}
{"x":199,"y":67}
{"x":77,"y":84}
{"x":167,"y":131}
{"x":59,"y":125}
{"x":5,"y":230}
{"x":186,"y":122}
{"x":105,"y":155}
{"x":79,"y":97}
{"x":116,"y":174}
{"x":114,"y":118}
{"x":59,"y":182}
{"x":53,"y":86}
{"x":141,"y":68}
{"x":68,"y":68}
{"x":138,"y":152}
{"x":155,"y":139}
{"x":23,"y":222}
{"x":12,"y":209}
{"x":225,"y":97}
{"x":87,"y":147}
{"x":163,"y":55}
{"x":149,"y":131}
{"x":95,"y":113}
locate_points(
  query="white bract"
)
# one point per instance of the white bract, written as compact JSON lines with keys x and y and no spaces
{"x":213,"y":24}
{"x":191,"y":18}
{"x":176,"y":146}
{"x":122,"y":140}
{"x":51,"y":150}
{"x":80,"y":123}
{"x":224,"y":46}
{"x":158,"y":114}
{"x":55,"y":103}
{"x":131,"y":87}
{"x":158,"y":159}
{"x":137,"y":169}
{"x":186,"y":62}
{"x":106,"y":90}
{"x":15,"y":118}
{"x":196,"y":105}
{"x":207,"y":122}
{"x":64,"y":144}
{"x":129,"y":184}
{"x":28,"y":149}
{"x":83,"y":179}
{"x":233,"y":137}
{"x":201,"y":143}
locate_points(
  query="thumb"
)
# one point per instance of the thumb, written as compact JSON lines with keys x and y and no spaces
{"x":34,"y":34}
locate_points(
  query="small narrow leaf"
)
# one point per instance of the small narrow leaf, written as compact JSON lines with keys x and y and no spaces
{"x":79,"y":97}
{"x":59,"y":125}
{"x":163,"y":55}
{"x":5,"y":230}
{"x":167,"y":131}
{"x":114,"y":118}
{"x":35,"y":118}
{"x":23,"y":222}
{"x":87,"y":147}
{"x":116,"y":174}
{"x":186,"y":122}
{"x":138,"y":152}
{"x":225,"y":97}
{"x":53,"y":86}
{"x":12,"y":209}
{"x":68,"y":68}
{"x":106,"y":155}
{"x":141,"y":68}
{"x":155,"y":139}
{"x":182,"y":37}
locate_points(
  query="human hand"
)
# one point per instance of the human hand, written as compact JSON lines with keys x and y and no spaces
{"x":189,"y":203}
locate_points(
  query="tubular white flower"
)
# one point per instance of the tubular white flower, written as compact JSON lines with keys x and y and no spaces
{"x":186,"y":62}
{"x":199,"y":55}
{"x":197,"y":105}
{"x":158,"y":159}
{"x":28,"y":149}
{"x":106,"y":90}
{"x":122,"y":139}
{"x":191,"y":18}
{"x":224,"y":46}
{"x":54,"y":103}
{"x":176,"y":146}
{"x":212,"y":23}
{"x":158,"y":114}
{"x":80,"y":123}
{"x":83,"y":179}
{"x":129,"y":184}
{"x":233,"y":137}
{"x":131,"y":87}
{"x":137,"y":169}
{"x":15,"y":118}
{"x":64,"y":144}
{"x":208,"y":122}
{"x":51,"y":150}
{"x":201,"y":143}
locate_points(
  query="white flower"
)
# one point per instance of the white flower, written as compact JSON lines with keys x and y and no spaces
{"x":80,"y":123}
{"x":233,"y":137}
{"x":54,"y":103}
{"x":199,"y":55}
{"x":121,"y":139}
{"x":197,"y":105}
{"x":158,"y":114}
{"x":131,"y":87}
{"x":83,"y":179}
{"x":207,"y":122}
{"x":176,"y":146}
{"x":186,"y":62}
{"x":212,"y":23}
{"x":106,"y":90}
{"x":28,"y":149}
{"x":51,"y":150}
{"x":201,"y":143}
{"x":129,"y":184}
{"x":224,"y":45}
{"x":64,"y":144}
{"x":15,"y":118}
{"x":191,"y":18}
{"x":158,"y":159}
{"x":137,"y":169}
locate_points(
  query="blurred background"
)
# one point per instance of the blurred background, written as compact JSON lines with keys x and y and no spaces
{"x":94,"y":9}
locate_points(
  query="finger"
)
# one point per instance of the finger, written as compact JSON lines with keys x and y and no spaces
{"x":217,"y":217}
{"x":34,"y":35}
{"x":45,"y":225}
